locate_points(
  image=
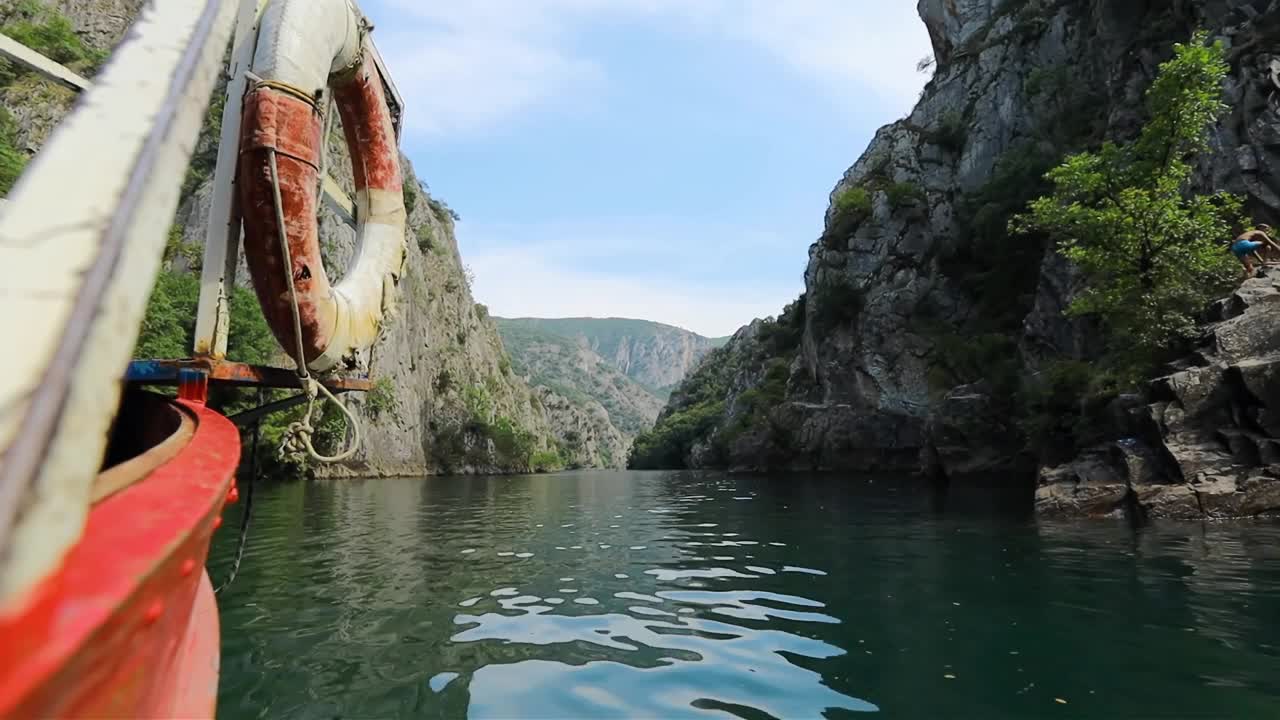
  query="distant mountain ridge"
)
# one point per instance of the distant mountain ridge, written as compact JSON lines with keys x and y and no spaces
{"x":619,"y":371}
{"x":656,"y":355}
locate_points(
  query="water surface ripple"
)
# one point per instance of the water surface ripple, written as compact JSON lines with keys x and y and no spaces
{"x":670,"y":595}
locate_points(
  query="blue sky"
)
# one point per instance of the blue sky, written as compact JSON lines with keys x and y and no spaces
{"x":663,"y":159}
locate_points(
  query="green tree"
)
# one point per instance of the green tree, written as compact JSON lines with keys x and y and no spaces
{"x":1149,"y":247}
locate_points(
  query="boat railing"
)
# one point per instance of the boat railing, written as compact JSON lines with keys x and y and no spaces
{"x":81,"y":241}
{"x":82,"y":236}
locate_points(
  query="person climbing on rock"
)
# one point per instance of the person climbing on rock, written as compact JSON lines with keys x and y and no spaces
{"x":1246,"y":248}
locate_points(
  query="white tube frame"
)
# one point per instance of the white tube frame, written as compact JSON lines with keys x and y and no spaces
{"x":80,"y":245}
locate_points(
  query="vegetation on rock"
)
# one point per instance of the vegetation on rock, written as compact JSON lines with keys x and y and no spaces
{"x":699,"y":413}
{"x":1150,"y":248}
{"x":49,"y":33}
{"x":655,"y":355}
{"x":566,"y":366}
{"x":12,"y":160}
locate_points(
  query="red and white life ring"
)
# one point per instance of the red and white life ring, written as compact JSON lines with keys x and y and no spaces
{"x":303,"y":47}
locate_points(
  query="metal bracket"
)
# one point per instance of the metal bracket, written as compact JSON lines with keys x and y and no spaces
{"x":169,"y":372}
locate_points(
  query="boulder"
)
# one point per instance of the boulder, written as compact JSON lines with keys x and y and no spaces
{"x":1261,"y":496}
{"x":1092,"y":485}
{"x":1260,"y":379}
{"x":1171,"y":502}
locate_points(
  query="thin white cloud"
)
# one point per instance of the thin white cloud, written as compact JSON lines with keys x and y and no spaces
{"x":664,"y":244}
{"x":471,"y":66}
{"x":848,"y":45}
{"x":679,"y":272}
{"x":520,"y":283}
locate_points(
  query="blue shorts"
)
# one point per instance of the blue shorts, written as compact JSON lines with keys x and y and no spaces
{"x":1241,"y":248}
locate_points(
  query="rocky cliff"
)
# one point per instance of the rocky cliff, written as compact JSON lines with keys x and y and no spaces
{"x":1203,"y":441}
{"x":655,"y":355}
{"x":446,"y":399}
{"x":922,"y":319}
{"x":568,"y":366}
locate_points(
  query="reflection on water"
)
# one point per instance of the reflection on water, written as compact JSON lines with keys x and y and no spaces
{"x":682,"y":595}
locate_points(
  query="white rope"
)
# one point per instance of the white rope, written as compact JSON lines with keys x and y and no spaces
{"x":298,"y":437}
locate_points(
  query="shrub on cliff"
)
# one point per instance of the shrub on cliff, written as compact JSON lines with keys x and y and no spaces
{"x":1150,"y":249}
{"x":12,"y":160}
{"x":837,"y":302}
{"x":49,"y":33}
{"x":697,"y":407}
{"x":852,"y":206}
{"x":668,"y":444}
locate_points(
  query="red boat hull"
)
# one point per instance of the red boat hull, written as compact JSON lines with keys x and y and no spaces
{"x":128,"y":628}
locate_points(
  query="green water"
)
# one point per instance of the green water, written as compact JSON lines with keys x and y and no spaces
{"x":662,"y":595}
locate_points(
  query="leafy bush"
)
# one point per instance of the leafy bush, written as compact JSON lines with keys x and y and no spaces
{"x":426,"y":237}
{"x":853,"y":204}
{"x":410,"y":198}
{"x":381,"y":398}
{"x":952,"y":132}
{"x":668,"y":444}
{"x":546,"y":461}
{"x":168,"y":328}
{"x":444,"y":380}
{"x":904,"y":194}
{"x":852,"y":207}
{"x":478,"y":403}
{"x":837,"y":302}
{"x":781,"y":337}
{"x":771,"y":391}
{"x":696,"y":408}
{"x":512,"y":443}
{"x":445,"y":214}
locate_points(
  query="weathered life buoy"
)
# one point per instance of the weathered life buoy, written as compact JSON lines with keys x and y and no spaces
{"x":304,"y":47}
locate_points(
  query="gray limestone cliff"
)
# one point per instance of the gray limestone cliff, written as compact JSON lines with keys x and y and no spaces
{"x":655,"y":355}
{"x":568,"y":366}
{"x":922,"y":318}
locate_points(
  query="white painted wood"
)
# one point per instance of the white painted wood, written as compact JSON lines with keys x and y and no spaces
{"x":338,"y":201}
{"x":80,"y":245}
{"x":23,"y":55}
{"x":222,"y":235}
